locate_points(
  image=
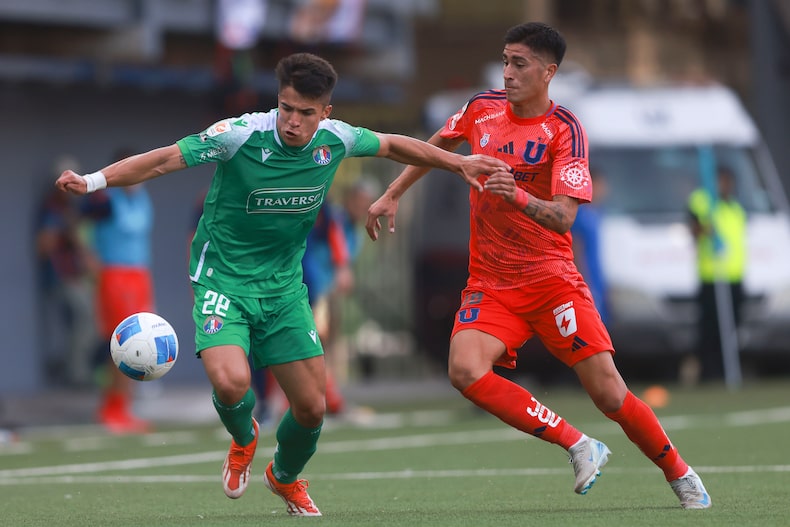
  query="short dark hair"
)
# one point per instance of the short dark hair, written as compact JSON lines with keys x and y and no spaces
{"x":308,"y":74}
{"x":539,"y":37}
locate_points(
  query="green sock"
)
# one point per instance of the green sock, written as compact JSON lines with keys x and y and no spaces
{"x":295,"y":446}
{"x":237,"y":417}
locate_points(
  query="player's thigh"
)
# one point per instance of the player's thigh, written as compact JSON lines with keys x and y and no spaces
{"x":568,"y":323}
{"x":228,"y":371}
{"x":485,"y":332}
{"x":602,"y":381}
{"x":221,"y":319}
{"x":287,"y":333}
{"x":222,"y":339}
{"x":473,"y":353}
{"x":303,"y":382}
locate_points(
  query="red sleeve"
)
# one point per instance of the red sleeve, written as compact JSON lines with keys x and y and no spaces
{"x":456,"y":125}
{"x":570,"y":169}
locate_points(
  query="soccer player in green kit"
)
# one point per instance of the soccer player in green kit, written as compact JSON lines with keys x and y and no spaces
{"x":273,"y":171}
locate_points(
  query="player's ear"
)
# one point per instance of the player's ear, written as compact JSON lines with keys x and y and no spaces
{"x":551,"y":69}
{"x":327,"y":111}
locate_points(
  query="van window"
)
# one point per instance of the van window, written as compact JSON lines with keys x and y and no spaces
{"x":657,"y":180}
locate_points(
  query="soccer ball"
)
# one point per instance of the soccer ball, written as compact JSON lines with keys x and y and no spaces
{"x":144,"y":346}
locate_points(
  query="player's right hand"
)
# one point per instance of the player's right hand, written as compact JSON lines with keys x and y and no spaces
{"x":384,"y":206}
{"x":70,"y":181}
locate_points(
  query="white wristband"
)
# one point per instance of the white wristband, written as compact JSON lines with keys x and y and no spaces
{"x":95,"y":181}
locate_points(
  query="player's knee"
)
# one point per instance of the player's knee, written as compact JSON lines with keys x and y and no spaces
{"x":309,"y":414}
{"x":608,"y":403}
{"x":608,"y":398}
{"x":462,"y":376}
{"x":229,"y":385}
{"x":230,"y":393}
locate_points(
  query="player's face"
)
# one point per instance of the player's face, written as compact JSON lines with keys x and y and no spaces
{"x":299,"y":116}
{"x":526,"y":74}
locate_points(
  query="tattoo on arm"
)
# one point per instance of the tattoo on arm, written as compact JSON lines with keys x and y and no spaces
{"x":182,"y":161}
{"x":557,"y":216}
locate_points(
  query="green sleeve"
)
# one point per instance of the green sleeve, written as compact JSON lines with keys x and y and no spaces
{"x":219,"y":142}
{"x":367,"y":145}
{"x":186,"y":151}
{"x":359,"y":142}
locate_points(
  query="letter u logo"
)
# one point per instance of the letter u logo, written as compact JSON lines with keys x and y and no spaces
{"x":468,"y":315}
{"x":533,"y":157}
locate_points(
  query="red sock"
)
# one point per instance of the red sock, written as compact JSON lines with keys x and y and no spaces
{"x":517,"y":407}
{"x":641,"y":426}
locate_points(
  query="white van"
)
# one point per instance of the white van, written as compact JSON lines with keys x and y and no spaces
{"x":646,"y":144}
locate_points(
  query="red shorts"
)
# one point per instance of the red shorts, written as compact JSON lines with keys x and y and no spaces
{"x":560,"y":312}
{"x":122,"y":291}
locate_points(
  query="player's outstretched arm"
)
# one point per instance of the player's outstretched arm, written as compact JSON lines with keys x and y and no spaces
{"x":128,"y":171}
{"x":387,"y":204}
{"x":412,"y":151}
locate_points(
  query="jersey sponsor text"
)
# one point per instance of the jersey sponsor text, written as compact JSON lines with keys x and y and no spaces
{"x":285,"y":201}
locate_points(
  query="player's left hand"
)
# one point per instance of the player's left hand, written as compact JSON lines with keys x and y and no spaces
{"x":384,"y":206}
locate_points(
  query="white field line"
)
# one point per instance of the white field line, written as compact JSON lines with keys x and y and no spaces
{"x":369,"y":476}
{"x":768,"y":416}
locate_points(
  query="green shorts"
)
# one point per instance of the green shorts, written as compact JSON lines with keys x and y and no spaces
{"x":271,"y":330}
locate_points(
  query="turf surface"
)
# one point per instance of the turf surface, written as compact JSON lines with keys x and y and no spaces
{"x":435,"y":462}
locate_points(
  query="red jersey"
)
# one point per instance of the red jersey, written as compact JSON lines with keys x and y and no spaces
{"x":549,"y":157}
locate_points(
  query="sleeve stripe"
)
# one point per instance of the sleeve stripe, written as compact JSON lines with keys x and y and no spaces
{"x":577,"y":132}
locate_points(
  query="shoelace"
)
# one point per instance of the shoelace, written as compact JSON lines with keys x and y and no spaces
{"x":299,"y":490}
{"x":687,"y":489}
{"x":237,"y":453}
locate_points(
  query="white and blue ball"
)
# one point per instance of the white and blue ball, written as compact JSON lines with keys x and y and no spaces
{"x":144,"y":346}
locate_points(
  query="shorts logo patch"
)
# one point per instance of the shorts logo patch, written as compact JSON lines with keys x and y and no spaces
{"x":469,"y":314}
{"x":212,"y":324}
{"x":565,"y":317}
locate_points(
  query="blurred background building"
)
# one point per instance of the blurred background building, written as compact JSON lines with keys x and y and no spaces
{"x":80,"y":77}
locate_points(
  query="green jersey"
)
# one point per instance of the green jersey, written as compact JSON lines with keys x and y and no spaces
{"x":263,"y":200}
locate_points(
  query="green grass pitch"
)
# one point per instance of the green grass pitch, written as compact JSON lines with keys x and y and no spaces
{"x":435,"y":462}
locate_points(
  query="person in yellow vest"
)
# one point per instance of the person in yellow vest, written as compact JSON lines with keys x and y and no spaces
{"x":718,"y":224}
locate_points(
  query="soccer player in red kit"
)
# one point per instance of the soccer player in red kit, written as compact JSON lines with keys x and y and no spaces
{"x":522,"y":278}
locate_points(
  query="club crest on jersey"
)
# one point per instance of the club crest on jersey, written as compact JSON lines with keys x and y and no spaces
{"x":484,"y":140}
{"x":212,"y":324}
{"x":575,"y":175}
{"x":533,"y":152}
{"x":322,"y":155}
{"x":565,"y":317}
